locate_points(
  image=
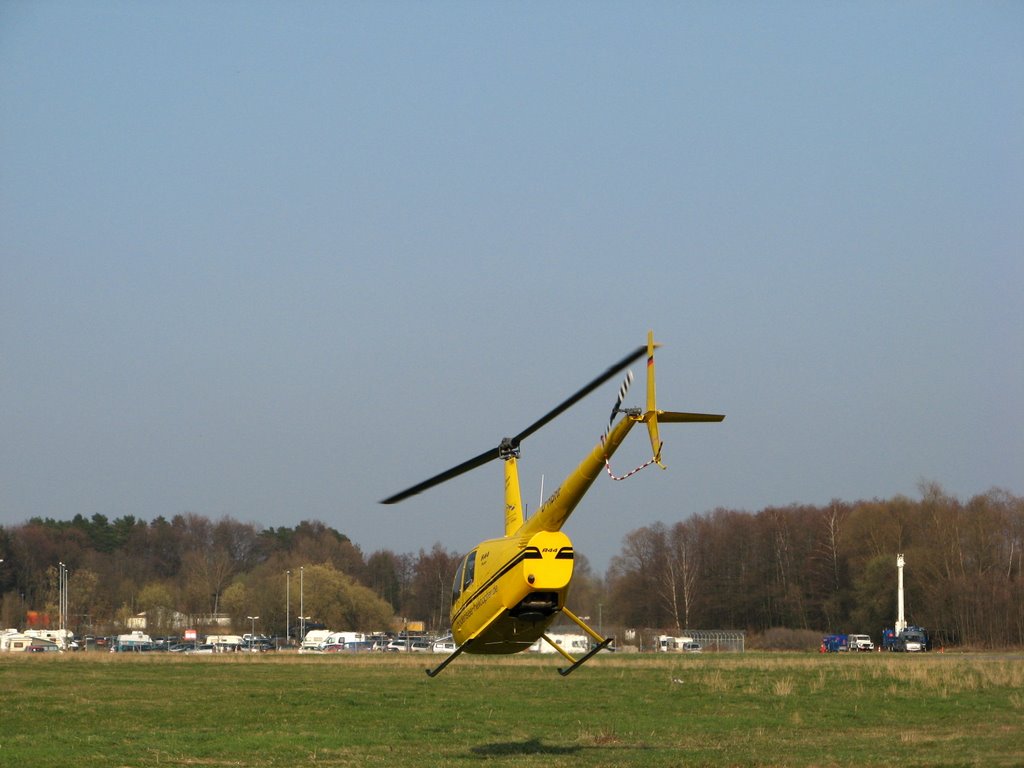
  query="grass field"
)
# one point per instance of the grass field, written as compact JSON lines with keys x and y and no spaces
{"x":94,"y":709}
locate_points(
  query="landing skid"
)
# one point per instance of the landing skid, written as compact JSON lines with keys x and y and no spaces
{"x":564,"y":671}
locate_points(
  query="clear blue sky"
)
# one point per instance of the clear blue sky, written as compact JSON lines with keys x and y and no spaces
{"x":280,"y":260}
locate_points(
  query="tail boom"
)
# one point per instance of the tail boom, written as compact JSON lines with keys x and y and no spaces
{"x":556,"y":510}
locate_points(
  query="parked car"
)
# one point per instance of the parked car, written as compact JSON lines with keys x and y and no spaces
{"x":363,"y":646}
{"x":353,"y":647}
{"x":692,"y":647}
{"x":259,"y":645}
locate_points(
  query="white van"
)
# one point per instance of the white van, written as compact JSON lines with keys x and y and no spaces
{"x":343,"y":638}
{"x":315,"y":640}
{"x":859,"y":643}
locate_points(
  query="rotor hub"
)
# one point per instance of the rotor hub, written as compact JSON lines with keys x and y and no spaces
{"x":508,"y":449}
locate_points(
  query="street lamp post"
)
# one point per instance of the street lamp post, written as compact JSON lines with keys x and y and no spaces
{"x":252,"y":635}
{"x":62,"y":600}
{"x":60,"y":595}
{"x":287,"y":608}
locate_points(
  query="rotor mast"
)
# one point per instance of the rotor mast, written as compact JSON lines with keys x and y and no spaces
{"x":514,"y":515}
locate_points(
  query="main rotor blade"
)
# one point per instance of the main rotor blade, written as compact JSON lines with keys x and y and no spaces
{"x":448,"y":474}
{"x":495,"y":453}
{"x":634,"y":355}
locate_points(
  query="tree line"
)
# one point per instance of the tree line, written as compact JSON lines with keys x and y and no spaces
{"x":832,"y":568}
{"x":203,"y":568}
{"x":824,"y":568}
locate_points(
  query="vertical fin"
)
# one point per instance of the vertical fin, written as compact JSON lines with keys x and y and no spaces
{"x":651,"y":416}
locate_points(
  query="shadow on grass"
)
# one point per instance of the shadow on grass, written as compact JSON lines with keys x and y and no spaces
{"x":528,"y":747}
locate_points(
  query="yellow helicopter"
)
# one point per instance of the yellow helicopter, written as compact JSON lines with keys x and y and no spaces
{"x":507,"y":591}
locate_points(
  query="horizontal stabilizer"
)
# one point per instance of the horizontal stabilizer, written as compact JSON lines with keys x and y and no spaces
{"x":676,"y":416}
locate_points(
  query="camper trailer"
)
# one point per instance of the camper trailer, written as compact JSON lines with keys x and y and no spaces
{"x":136,"y":641}
{"x":225,"y":643}
{"x":13,"y":641}
{"x":62,"y":638}
{"x":572,"y":643}
{"x":671,"y":644}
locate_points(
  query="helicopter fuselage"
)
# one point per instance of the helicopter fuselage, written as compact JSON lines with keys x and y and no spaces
{"x":512,"y":588}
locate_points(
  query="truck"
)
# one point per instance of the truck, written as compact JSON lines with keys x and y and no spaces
{"x":834,"y":644}
{"x":903,"y":637}
{"x":909,"y":640}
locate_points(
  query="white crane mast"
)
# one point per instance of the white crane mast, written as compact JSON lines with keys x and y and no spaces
{"x":901,"y":622}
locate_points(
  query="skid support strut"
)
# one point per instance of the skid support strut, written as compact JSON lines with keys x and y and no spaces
{"x":454,"y":655}
{"x":602,"y":643}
